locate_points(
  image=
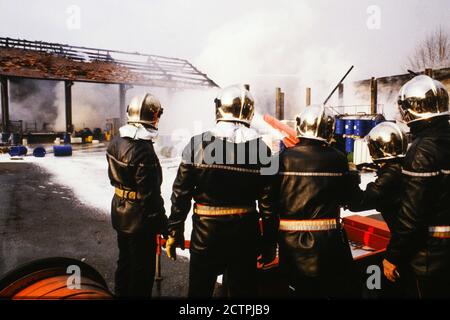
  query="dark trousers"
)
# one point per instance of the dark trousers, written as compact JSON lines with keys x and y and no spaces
{"x":336,"y":279}
{"x":324,"y":287}
{"x":239,"y":272}
{"x":426,"y":287}
{"x":135,"y":271}
{"x":309,"y":288}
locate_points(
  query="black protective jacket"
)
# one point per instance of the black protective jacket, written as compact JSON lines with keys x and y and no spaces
{"x":313,"y":183}
{"x":133,"y":165}
{"x":235,"y":182}
{"x":384,"y":194}
{"x":425,"y":201}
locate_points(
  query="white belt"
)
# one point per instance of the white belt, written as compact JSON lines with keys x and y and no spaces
{"x":205,"y":210}
{"x":308,"y":225}
{"x":439,"y":231}
{"x":426,"y":174}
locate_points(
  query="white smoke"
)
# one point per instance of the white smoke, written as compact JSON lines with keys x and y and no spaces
{"x":186,"y":112}
{"x":92,"y":104}
{"x":274,"y":48}
{"x":33,"y":102}
{"x":357,"y":98}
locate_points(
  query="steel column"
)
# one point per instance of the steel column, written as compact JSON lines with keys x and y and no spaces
{"x":5,"y":103}
{"x":68,"y":99}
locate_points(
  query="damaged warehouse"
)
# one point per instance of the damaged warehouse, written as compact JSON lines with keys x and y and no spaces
{"x":22,"y":61}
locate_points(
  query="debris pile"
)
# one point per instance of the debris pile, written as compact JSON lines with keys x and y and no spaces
{"x":36,"y":64}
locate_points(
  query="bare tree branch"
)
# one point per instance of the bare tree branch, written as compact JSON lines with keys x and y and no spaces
{"x":433,"y":52}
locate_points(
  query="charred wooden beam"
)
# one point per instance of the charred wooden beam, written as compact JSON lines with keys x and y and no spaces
{"x":279,"y":104}
{"x":282,"y":105}
{"x":123,"y":88}
{"x":341,"y":94}
{"x":54,"y":61}
{"x":308,"y":96}
{"x":68,"y":101}
{"x":335,"y":88}
{"x":5,"y":103}
{"x":373,"y":95}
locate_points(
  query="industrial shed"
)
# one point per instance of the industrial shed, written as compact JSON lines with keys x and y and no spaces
{"x":61,"y":62}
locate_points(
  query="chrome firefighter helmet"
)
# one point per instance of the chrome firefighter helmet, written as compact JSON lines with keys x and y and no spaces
{"x":386,"y":141}
{"x":235,"y":103}
{"x":315,"y":122}
{"x":422,"y":98}
{"x":145,"y":109}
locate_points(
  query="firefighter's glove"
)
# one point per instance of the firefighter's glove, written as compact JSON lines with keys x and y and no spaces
{"x":174,"y":241}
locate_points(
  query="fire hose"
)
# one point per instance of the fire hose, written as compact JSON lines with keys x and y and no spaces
{"x":54,"y":279}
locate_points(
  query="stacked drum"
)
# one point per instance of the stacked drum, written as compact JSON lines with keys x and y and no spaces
{"x":351,"y":127}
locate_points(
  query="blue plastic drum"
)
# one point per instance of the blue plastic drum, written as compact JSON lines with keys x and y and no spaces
{"x":349,"y":142}
{"x":340,"y":126}
{"x":369,"y":126}
{"x":39,"y":152}
{"x":359,"y":128}
{"x":349,"y":127}
{"x":17,"y":151}
{"x":62,"y":151}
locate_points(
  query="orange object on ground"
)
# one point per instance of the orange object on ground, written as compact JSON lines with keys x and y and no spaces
{"x":52,"y":279}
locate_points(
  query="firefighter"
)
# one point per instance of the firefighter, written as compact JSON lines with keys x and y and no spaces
{"x":137,"y":209}
{"x":387,"y":144}
{"x":421,"y":243}
{"x":221,"y":171}
{"x":313,"y":182}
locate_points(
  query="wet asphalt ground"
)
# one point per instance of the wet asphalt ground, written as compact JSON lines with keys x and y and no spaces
{"x":40,"y":219}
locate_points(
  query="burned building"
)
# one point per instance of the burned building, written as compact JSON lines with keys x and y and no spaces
{"x":383,"y":92}
{"x":59,"y":65}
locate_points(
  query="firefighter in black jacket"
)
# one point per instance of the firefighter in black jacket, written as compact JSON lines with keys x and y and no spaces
{"x":387,"y":144}
{"x":137,"y":210}
{"x":221,"y":171}
{"x":313,"y":183}
{"x":421,"y":243}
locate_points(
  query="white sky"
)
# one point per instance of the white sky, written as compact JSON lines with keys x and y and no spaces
{"x":185,"y":28}
{"x":291,"y":44}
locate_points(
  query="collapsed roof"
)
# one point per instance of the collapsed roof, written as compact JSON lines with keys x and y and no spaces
{"x":54,"y":61}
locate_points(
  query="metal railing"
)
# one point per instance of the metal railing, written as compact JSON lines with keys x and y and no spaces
{"x":361,"y":109}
